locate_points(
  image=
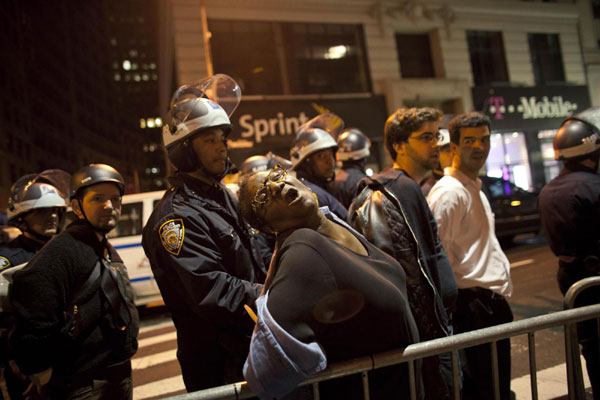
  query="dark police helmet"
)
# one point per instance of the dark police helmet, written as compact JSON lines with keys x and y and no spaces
{"x":579,"y":136}
{"x":263,"y":163}
{"x":353,"y":145}
{"x":93,"y":174}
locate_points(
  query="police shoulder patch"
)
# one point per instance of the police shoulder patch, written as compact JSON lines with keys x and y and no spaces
{"x":4,"y":263}
{"x":171,"y":235}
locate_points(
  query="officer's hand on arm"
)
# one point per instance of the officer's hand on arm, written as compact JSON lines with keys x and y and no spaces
{"x":38,"y":388}
{"x":210,"y":279}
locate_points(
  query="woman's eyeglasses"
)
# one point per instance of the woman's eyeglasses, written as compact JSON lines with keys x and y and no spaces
{"x":263,"y":194}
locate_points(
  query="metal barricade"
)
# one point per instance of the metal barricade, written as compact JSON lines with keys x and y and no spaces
{"x":574,"y":371}
{"x":450,"y":344}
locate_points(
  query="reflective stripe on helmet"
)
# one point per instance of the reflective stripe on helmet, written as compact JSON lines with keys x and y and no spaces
{"x":325,"y":142}
{"x":589,"y":145}
{"x":353,"y":155}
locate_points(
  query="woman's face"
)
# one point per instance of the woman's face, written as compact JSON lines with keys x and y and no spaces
{"x":283,"y":205}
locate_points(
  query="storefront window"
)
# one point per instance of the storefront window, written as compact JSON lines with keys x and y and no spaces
{"x":291,"y":58}
{"x":508,"y":158}
{"x":551,"y":166}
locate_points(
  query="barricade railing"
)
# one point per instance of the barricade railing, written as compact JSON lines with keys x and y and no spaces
{"x":573,"y":360}
{"x":450,"y":344}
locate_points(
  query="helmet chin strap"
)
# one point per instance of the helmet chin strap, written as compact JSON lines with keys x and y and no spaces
{"x":102,"y":231}
{"x":212,"y":175}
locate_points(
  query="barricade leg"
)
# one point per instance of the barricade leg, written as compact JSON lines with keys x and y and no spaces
{"x":532,"y":365}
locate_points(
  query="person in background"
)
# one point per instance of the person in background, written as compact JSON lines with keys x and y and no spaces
{"x":330,"y":296}
{"x":392,"y":213}
{"x":76,"y":322}
{"x":313,"y":158}
{"x":445,"y":162}
{"x":570,"y":209}
{"x":35,"y":207}
{"x":482,"y":271}
{"x":207,"y":261}
{"x":353,"y":152}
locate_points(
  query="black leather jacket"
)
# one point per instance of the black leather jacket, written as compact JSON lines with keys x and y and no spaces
{"x":392,"y":213}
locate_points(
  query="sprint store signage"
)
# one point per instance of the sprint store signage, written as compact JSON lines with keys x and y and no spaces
{"x":260,"y":126}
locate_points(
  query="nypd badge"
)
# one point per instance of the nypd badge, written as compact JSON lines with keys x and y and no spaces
{"x":4,"y":263}
{"x":171,"y":235}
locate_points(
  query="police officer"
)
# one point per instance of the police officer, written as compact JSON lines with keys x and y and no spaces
{"x":76,"y":323}
{"x":313,"y":158}
{"x":570,"y":210}
{"x":35,"y":208}
{"x":207,"y":262}
{"x":353,"y":152}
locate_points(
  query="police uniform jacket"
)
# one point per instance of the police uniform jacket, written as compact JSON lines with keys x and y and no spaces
{"x":18,"y":251}
{"x":208,"y":264}
{"x":570,"y":210}
{"x":345,"y":185}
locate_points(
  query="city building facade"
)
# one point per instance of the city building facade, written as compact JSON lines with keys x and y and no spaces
{"x":527,"y":64}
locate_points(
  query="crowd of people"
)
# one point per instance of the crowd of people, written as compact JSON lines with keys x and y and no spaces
{"x":308,"y":263}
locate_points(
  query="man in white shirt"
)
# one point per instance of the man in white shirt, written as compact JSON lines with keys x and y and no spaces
{"x":482,"y":271}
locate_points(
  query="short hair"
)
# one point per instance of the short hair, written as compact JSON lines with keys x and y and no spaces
{"x":472,"y":119}
{"x":402,"y":123}
{"x":245,"y":202}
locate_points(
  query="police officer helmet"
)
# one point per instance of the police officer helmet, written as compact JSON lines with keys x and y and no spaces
{"x":274,"y":160}
{"x":254,"y":164}
{"x":353,"y":145}
{"x":27,"y":195}
{"x":445,"y":138}
{"x":315,"y":135}
{"x":187,"y":119}
{"x":194,"y":109}
{"x":579,"y":136}
{"x":93,"y":174}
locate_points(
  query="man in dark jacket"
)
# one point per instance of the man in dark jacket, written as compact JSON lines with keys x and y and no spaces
{"x":206,"y":260}
{"x":393,"y":214}
{"x":76,"y":324}
{"x":570,"y":210}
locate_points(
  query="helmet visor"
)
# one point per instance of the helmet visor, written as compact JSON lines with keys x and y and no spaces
{"x":219,"y":88}
{"x":329,"y":122}
{"x":590,"y":116}
{"x":58,"y":178}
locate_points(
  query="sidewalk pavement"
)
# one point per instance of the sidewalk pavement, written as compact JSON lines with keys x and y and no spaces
{"x":552,"y":383}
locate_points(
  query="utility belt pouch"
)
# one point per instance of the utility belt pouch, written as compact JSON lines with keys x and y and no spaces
{"x":73,"y":321}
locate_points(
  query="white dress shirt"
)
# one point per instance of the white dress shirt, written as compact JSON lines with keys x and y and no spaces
{"x":466,"y":229}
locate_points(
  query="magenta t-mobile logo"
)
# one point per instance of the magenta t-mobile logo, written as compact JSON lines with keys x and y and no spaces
{"x":496,"y":106}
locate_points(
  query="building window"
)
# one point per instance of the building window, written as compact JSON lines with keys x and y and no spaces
{"x":488,"y":62}
{"x":414,"y":55}
{"x":290,"y":58}
{"x":546,"y":58}
{"x":508,"y":158}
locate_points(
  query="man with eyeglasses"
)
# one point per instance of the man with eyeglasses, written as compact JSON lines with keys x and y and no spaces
{"x":392,"y":213}
{"x":482,"y":271}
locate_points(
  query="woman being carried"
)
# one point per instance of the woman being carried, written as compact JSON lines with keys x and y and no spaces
{"x":329,"y":296}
